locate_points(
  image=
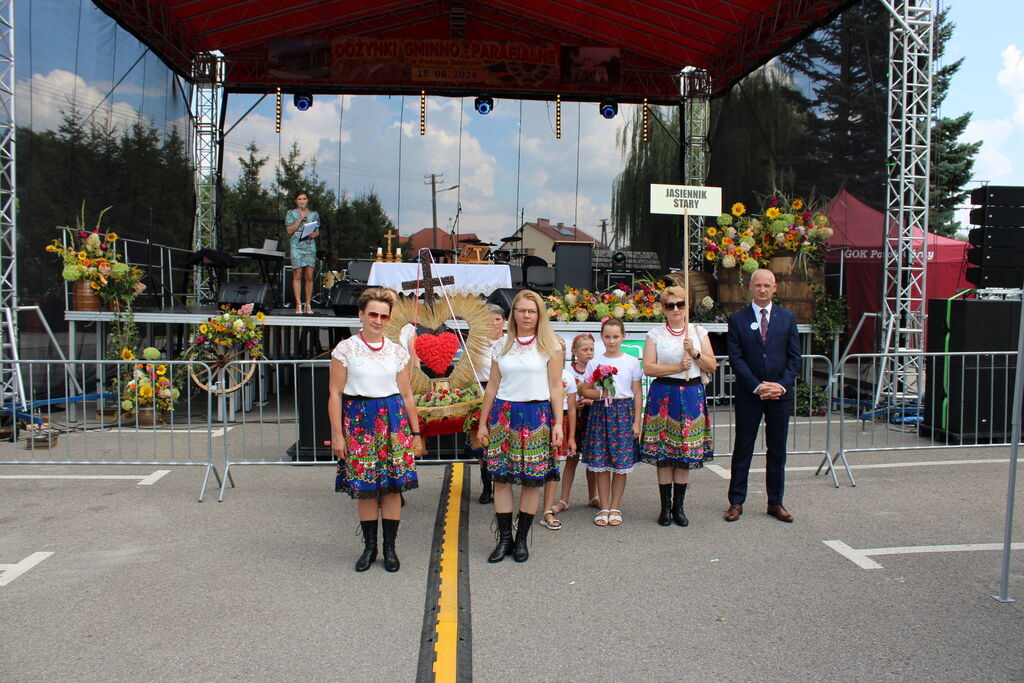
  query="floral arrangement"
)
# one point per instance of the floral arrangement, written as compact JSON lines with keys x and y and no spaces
{"x":447,"y":397}
{"x":148,"y":385}
{"x":90,"y":255}
{"x":708,"y":310}
{"x":603,"y":378}
{"x":639,"y":302}
{"x":747,"y":241}
{"x":231,"y":330}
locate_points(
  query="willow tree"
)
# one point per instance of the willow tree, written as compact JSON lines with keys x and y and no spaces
{"x":655,"y":160}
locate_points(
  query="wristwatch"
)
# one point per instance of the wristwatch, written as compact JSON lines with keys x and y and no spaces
{"x":697,"y":357}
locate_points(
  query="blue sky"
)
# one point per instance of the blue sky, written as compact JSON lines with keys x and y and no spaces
{"x":504,"y":163}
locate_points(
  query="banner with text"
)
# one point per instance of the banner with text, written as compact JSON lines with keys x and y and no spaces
{"x":686,"y":199}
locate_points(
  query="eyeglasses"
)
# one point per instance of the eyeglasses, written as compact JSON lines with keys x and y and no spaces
{"x":373,"y":315}
{"x":525,"y":311}
{"x":673,"y":305}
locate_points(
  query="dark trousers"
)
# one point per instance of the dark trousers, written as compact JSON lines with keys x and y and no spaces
{"x":776,"y":427}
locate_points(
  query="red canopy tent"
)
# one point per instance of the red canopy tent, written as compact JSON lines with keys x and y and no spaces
{"x":857,"y":248}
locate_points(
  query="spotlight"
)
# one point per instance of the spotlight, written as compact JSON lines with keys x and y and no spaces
{"x":558,"y":116}
{"x":277,"y":119}
{"x":483,"y":104}
{"x":303,"y":100}
{"x":609,"y":108}
{"x":423,"y":112}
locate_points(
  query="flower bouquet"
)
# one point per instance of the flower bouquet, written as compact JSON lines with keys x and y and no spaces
{"x":231,"y":336}
{"x":733,"y":241}
{"x":89,"y":257}
{"x":603,"y":378}
{"x":149,"y":387}
{"x":639,"y":302}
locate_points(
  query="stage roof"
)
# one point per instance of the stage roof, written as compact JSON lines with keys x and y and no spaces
{"x":529,"y":49}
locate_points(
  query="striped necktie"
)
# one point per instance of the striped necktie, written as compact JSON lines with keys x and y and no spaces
{"x":764,"y":324}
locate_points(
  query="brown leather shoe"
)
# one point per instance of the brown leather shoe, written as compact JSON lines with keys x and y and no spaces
{"x":780,"y":513}
{"x":733,"y":513}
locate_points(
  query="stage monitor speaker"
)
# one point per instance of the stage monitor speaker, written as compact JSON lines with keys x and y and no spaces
{"x":998,"y":195}
{"x":574,"y":265}
{"x":344,"y":296}
{"x":503,"y":297}
{"x":311,"y":385}
{"x":240,"y":293}
{"x":973,"y":325}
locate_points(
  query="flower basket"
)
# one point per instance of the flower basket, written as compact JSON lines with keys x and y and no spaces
{"x":84,"y":297}
{"x":455,"y":410}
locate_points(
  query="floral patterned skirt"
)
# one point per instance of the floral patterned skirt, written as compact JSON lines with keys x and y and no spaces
{"x":677,"y":428}
{"x":562,"y":451}
{"x":519,"y":446}
{"x":608,"y":445}
{"x":380,"y":454}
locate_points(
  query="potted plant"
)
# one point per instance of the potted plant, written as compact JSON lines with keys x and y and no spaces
{"x":149,"y":390}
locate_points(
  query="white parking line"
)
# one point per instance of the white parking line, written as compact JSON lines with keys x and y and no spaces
{"x":147,"y":480}
{"x":9,"y":572}
{"x":724,"y":473}
{"x":861,"y":557}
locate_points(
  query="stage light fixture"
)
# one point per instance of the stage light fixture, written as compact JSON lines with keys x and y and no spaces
{"x":645,"y":120}
{"x":277,"y":119}
{"x":608,"y":108}
{"x":483,"y":105}
{"x":558,"y":117}
{"x":423,"y":112}
{"x":303,"y":101}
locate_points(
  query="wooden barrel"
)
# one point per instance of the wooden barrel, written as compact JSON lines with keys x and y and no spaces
{"x":701,"y":285}
{"x":733,"y":290}
{"x":84,"y":297}
{"x":795,"y":292}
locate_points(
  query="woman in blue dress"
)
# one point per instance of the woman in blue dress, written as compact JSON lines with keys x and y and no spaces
{"x":303,"y":251}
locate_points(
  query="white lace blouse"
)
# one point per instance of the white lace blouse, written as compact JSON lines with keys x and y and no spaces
{"x":524,"y":372}
{"x":373,"y":374}
{"x":670,"y":348}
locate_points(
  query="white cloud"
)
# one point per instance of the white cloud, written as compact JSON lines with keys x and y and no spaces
{"x":41,"y":101}
{"x":992,"y":162}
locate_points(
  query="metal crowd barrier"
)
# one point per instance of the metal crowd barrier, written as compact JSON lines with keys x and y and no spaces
{"x":957,"y":400}
{"x":82,"y":413}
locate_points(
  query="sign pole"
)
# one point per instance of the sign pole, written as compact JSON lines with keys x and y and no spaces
{"x":686,"y":266}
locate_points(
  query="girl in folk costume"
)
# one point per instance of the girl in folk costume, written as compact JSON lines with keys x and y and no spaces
{"x":497,"y":330}
{"x":566,"y":450}
{"x":677,"y":429}
{"x":613,"y":427}
{"x":521,"y":418}
{"x":582,"y":352}
{"x":375,"y":431}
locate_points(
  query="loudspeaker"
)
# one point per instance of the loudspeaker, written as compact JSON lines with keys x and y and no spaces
{"x":574,"y":265}
{"x":239,"y":293}
{"x":503,"y":297}
{"x":989,"y":216}
{"x":344,"y":296}
{"x":972,"y":325}
{"x":998,"y":195}
{"x":311,"y":386}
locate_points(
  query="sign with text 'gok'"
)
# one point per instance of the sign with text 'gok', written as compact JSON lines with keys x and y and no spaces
{"x":686,"y":199}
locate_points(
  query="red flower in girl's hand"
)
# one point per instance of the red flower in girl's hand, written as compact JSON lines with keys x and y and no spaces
{"x":603,"y":378}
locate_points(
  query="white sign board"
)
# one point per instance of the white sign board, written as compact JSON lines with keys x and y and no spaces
{"x":686,"y":199}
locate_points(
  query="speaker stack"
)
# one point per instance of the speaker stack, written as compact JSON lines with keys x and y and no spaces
{"x":970,"y":398}
{"x":997,"y":245}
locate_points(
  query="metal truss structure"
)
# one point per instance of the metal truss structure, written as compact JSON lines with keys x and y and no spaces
{"x":908,"y":158}
{"x":8,"y":235}
{"x":696,"y":91}
{"x":207,"y":76}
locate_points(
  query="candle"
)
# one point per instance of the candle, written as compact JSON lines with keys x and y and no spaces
{"x":378,"y":251}
{"x":398,"y":254}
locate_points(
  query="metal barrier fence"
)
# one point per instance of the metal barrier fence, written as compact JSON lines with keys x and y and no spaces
{"x":103,"y":413}
{"x":965,"y":402}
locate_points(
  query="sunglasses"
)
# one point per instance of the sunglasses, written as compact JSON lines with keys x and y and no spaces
{"x":373,"y":315}
{"x":673,"y":305}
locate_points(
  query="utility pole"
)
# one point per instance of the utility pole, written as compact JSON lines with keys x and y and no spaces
{"x":604,"y":233}
{"x":433,"y":199}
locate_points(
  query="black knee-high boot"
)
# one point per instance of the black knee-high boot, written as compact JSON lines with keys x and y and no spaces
{"x":677,"y":506}
{"x":369,"y":555}
{"x":520,"y":553}
{"x":504,"y":546}
{"x":486,"y":490}
{"x":391,"y":562}
{"x":665,"y":518}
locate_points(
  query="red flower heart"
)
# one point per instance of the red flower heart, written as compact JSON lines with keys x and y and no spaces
{"x":437,"y":351}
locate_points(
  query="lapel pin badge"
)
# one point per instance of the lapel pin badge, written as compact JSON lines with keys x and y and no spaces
{"x":754,"y":326}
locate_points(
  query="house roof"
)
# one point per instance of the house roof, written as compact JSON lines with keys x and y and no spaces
{"x":584,"y":50}
{"x":424,"y":239}
{"x":558,"y":232}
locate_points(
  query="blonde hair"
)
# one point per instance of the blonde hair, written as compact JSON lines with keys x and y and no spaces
{"x":579,"y":339}
{"x":380,"y":294}
{"x":674,"y":290}
{"x":547,"y":340}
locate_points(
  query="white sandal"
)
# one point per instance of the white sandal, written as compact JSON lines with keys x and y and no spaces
{"x":601,"y":519}
{"x":553,"y":525}
{"x":614,"y":517}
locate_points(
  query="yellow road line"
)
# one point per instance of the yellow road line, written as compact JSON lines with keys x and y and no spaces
{"x":446,"y":644}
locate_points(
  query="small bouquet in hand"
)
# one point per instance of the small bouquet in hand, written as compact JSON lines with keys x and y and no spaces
{"x":603,"y":378}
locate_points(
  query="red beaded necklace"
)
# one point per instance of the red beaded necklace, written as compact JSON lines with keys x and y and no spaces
{"x":527,"y":342}
{"x":372,"y":348}
{"x":680,"y":333}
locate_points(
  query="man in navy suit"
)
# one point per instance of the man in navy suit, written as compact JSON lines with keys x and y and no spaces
{"x":764,"y":351}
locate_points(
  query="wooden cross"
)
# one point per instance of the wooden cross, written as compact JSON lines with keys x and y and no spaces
{"x":429,"y":281}
{"x":389,"y":236}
